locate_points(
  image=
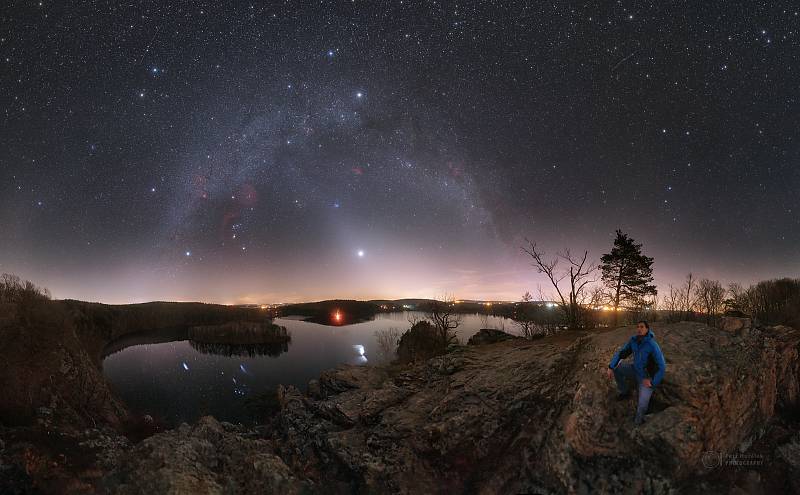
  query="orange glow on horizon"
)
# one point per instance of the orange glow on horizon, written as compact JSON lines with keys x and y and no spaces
{"x":337,"y":316}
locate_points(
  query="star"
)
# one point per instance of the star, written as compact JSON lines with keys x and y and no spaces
{"x":360,"y":253}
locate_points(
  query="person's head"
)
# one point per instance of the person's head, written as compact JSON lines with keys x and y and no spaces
{"x":642,"y":327}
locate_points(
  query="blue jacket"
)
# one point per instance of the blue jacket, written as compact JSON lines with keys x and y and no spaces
{"x":648,"y":361}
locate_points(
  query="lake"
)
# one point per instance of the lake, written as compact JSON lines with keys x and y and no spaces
{"x":165,"y":375}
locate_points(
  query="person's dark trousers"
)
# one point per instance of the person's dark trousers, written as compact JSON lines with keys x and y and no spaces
{"x":624,"y":373}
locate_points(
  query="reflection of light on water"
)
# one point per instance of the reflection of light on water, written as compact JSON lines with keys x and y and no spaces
{"x":214,"y":384}
{"x":361,"y":358}
{"x":244,"y":370}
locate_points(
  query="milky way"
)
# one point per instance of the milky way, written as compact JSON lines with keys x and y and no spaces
{"x":255,"y":152}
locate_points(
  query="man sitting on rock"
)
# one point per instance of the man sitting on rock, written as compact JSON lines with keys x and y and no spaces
{"x":647,"y":368}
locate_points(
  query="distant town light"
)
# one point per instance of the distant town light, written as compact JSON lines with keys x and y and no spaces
{"x":337,"y":316}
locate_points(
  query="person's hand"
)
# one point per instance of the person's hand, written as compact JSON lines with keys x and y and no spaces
{"x":609,"y":373}
{"x":647,"y":383}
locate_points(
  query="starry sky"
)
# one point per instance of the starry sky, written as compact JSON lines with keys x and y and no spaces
{"x":265,"y":151}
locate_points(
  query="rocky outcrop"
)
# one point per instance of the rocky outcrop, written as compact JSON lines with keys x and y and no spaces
{"x":420,"y":343}
{"x":515,"y":416}
{"x":522,"y":416}
{"x":47,"y":376}
{"x":208,"y":458}
{"x":490,"y":336}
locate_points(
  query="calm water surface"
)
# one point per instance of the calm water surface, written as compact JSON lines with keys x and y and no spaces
{"x":164,"y":375}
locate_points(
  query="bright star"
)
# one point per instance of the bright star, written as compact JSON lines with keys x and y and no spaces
{"x":359,"y":94}
{"x":360,"y":253}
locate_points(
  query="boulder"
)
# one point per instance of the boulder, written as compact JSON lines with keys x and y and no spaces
{"x":734,"y":324}
{"x":490,"y":336}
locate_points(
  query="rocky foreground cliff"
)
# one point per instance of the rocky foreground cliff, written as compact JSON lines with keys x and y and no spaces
{"x":515,"y":416}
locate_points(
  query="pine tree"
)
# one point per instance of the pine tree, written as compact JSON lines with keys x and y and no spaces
{"x":627,"y":274}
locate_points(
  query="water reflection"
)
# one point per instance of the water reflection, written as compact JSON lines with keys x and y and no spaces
{"x":250,"y":350}
{"x":174,"y":378}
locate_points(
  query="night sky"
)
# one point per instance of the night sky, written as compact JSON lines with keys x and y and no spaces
{"x":265,"y":152}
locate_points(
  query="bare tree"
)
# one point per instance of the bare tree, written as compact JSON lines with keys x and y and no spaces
{"x":688,"y":301}
{"x":737,"y":295}
{"x":387,"y":343}
{"x":570,"y":277}
{"x":598,"y":296}
{"x":15,"y":290}
{"x":522,"y":317}
{"x":710,"y":296}
{"x":444,"y":319}
{"x":671,"y":302}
